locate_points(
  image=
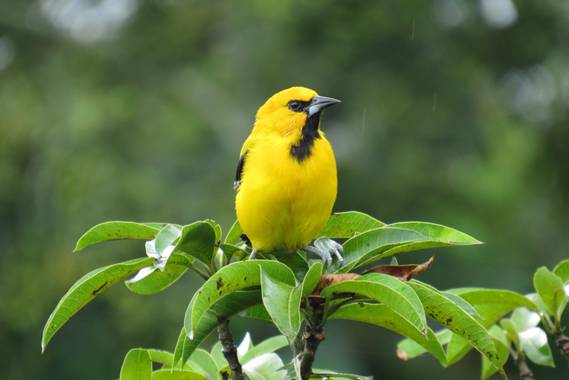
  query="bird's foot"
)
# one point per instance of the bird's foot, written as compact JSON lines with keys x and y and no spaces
{"x":252,"y":255}
{"x":325,"y":248}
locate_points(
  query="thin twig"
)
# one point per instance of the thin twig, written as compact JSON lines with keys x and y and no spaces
{"x":228,"y":348}
{"x":523,"y":370}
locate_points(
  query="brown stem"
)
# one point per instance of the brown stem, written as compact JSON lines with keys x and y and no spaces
{"x":562,"y":342}
{"x":523,"y":369}
{"x":228,"y":348}
{"x":312,"y":336}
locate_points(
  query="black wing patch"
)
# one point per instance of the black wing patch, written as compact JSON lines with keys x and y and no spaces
{"x":239,"y":171}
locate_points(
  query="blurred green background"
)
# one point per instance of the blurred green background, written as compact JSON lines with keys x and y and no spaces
{"x":453,"y":111}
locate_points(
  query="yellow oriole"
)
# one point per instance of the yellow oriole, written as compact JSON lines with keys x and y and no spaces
{"x":286,"y":178}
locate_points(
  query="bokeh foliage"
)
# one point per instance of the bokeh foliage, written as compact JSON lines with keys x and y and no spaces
{"x":446,"y":116}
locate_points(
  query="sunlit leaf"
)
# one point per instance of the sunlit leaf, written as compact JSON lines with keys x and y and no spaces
{"x":562,"y":270}
{"x":550,"y":289}
{"x":457,"y":348}
{"x":478,"y":296}
{"x":160,"y":356}
{"x":233,"y":277}
{"x":431,"y":235}
{"x":85,"y":290}
{"x":374,"y":242}
{"x":203,"y":363}
{"x":136,"y":365}
{"x":449,"y":314}
{"x":395,"y":294}
{"x":503,"y":350}
{"x":265,"y":367}
{"x":344,"y":225}
{"x":383,"y":316}
{"x":115,"y":231}
{"x":408,"y":348}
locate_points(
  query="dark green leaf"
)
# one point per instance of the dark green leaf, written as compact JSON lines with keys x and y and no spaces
{"x":257,"y":312}
{"x":115,"y":231}
{"x":282,"y":302}
{"x":395,"y":294}
{"x":383,"y":316}
{"x":136,"y":365}
{"x":198,"y":240}
{"x":344,"y":225}
{"x":449,"y":314}
{"x":85,"y":290}
{"x":227,"y":306}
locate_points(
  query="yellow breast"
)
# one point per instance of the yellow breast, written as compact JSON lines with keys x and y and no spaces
{"x":283,"y":202}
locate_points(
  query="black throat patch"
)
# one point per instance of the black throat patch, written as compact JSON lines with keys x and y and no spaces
{"x":302,"y":150}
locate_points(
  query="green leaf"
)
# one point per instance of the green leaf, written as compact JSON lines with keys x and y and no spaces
{"x":234,"y":234}
{"x":503,"y":350}
{"x":395,"y":294}
{"x":449,"y":314}
{"x":218,"y":357}
{"x":232,"y":251}
{"x":160,"y":356}
{"x":408,"y":348}
{"x":461,"y":302}
{"x":295,"y":261}
{"x":176,"y":374}
{"x":383,"y":316}
{"x":115,"y":231}
{"x":179,"y":349}
{"x":551,"y":291}
{"x":198,"y":240}
{"x":269,"y":345}
{"x":477,"y":296}
{"x":312,"y":278}
{"x":510,"y":329}
{"x":85,"y":290}
{"x":233,"y":277}
{"x":457,"y":348}
{"x":431,"y":236}
{"x":159,"y":280}
{"x":562,"y":270}
{"x":257,"y":312}
{"x":203,"y":363}
{"x":373,"y":242}
{"x":344,"y":225}
{"x":136,"y":365}
{"x":227,"y":306}
{"x":282,"y":302}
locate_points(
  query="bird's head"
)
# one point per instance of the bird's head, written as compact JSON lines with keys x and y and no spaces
{"x":288,"y":111}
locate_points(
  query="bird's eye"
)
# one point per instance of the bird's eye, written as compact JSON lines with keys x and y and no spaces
{"x":295,"y":106}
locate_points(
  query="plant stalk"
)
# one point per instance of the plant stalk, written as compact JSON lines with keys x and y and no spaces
{"x":562,"y":342}
{"x":228,"y":348}
{"x":312,"y":336}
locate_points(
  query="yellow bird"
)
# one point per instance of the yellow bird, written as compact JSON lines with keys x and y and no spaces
{"x":286,"y":180}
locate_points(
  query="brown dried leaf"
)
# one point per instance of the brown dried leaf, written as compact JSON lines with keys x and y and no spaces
{"x":402,"y":272}
{"x":331,"y":279}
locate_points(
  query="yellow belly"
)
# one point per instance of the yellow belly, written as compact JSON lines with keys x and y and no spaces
{"x":283,"y":203}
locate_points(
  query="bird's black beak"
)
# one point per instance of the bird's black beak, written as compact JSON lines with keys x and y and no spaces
{"x":318,"y":103}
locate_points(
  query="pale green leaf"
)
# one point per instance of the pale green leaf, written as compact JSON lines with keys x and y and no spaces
{"x":551,"y":290}
{"x":503,"y":350}
{"x":409,"y":349}
{"x":176,"y":374}
{"x":267,"y":346}
{"x":159,"y":280}
{"x":203,"y":363}
{"x":562,"y":270}
{"x":344,"y":225}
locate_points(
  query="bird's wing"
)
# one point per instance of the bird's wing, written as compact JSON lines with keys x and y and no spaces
{"x":239,"y":172}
